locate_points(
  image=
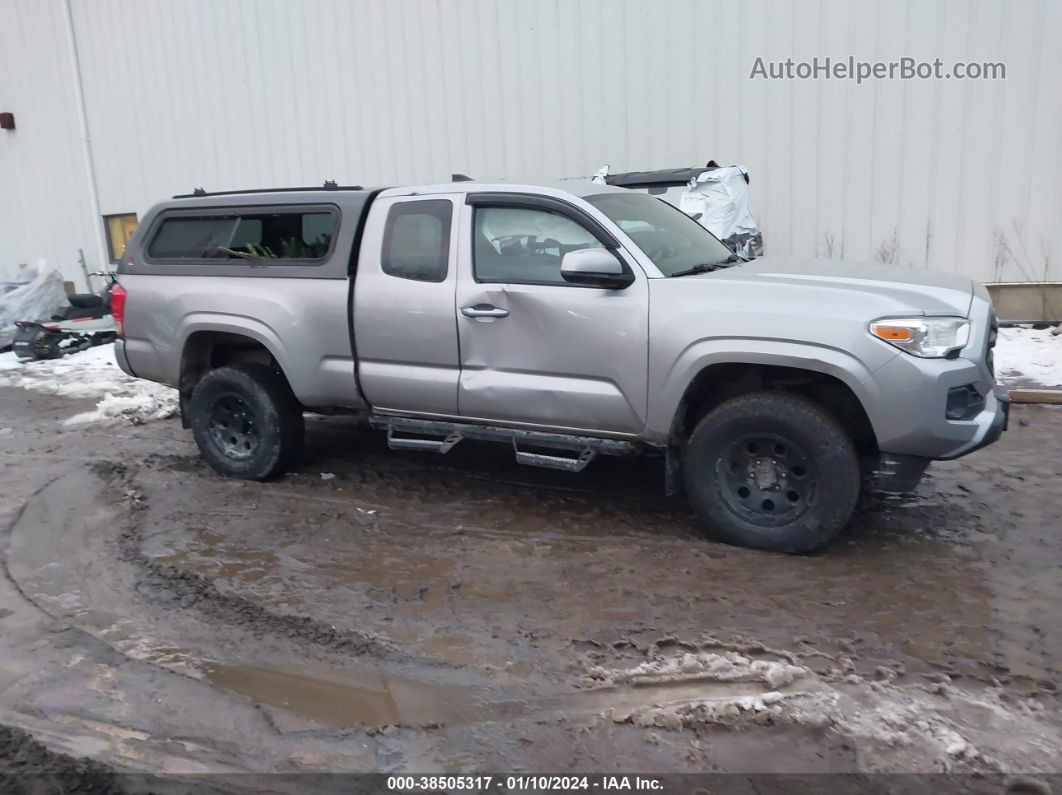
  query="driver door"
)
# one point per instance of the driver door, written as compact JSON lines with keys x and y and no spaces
{"x":536,"y":350}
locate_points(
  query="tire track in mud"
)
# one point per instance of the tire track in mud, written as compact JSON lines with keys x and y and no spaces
{"x":634,"y":514}
{"x":617,"y":518}
{"x":621,"y":691}
{"x":192,"y":591}
{"x":189,"y":590}
{"x":331,"y":699}
{"x":48,"y":576}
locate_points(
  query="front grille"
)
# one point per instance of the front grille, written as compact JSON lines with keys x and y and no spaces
{"x":990,"y":353}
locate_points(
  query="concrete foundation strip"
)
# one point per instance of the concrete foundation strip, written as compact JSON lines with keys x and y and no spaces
{"x":1052,"y":396}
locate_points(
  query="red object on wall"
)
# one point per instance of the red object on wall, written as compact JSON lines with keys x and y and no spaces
{"x":7,"y":121}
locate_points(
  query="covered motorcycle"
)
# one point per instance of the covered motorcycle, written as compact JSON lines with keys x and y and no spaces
{"x":87,"y":321}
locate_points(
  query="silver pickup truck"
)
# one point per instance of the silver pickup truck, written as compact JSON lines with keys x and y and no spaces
{"x":569,"y":321}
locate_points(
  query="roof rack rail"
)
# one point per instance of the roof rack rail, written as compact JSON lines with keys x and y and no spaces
{"x":328,"y":185}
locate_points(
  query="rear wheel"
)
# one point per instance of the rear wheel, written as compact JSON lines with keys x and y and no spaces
{"x":772,"y":470}
{"x":246,"y":421}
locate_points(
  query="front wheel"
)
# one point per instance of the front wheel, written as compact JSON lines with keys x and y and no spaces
{"x":773,"y":471}
{"x":246,"y":421}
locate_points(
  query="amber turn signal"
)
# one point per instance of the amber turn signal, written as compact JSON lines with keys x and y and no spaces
{"x":891,"y":333}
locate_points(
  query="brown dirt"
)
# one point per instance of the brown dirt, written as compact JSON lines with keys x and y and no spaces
{"x":460,"y":613}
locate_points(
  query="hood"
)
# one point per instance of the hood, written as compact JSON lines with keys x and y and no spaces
{"x":921,"y":291}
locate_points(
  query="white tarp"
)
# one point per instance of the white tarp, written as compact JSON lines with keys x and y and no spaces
{"x":38,"y":297}
{"x":718,"y":198}
{"x":721,"y":196}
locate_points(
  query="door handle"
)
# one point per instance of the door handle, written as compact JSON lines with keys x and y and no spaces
{"x":484,"y":310}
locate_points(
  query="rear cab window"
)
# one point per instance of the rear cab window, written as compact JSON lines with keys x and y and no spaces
{"x":416,"y":242}
{"x":302,"y":235}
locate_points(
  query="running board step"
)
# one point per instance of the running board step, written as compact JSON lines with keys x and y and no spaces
{"x":582,"y":449}
{"x":566,"y":463}
{"x":423,"y":445}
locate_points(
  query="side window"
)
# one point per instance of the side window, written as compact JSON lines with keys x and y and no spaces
{"x":189,"y":237}
{"x":416,"y":242}
{"x":524,"y":246}
{"x":252,"y":235}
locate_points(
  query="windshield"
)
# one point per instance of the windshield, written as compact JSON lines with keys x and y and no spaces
{"x":669,"y":237}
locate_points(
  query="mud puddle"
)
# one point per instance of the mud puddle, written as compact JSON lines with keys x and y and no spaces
{"x":342,"y":698}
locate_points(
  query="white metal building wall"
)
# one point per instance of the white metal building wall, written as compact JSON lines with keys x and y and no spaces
{"x":44,"y":210}
{"x":950,"y":174}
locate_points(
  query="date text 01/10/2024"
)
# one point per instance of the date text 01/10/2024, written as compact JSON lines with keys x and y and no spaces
{"x":523,"y":783}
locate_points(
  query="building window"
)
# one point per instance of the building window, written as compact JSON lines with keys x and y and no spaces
{"x":119,"y":229}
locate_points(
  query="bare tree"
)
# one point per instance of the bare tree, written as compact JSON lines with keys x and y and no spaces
{"x":889,"y":249}
{"x":828,"y":245}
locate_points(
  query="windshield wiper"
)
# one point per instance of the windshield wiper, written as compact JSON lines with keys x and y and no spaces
{"x":709,"y":266}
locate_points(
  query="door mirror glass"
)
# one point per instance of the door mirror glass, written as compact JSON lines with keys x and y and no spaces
{"x":595,"y":267}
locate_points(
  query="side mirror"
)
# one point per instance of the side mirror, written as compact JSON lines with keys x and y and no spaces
{"x":595,"y":267}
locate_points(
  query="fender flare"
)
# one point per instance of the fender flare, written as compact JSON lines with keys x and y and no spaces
{"x":707,"y":352}
{"x":239,"y":325}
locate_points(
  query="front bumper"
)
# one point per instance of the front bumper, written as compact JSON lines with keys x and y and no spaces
{"x":907,"y":398}
{"x":902,"y":473}
{"x":911,"y":417}
{"x":1000,"y":420}
{"x":990,"y":428}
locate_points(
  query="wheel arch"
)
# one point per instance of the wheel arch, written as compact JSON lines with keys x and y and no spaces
{"x":830,"y":378}
{"x":211,"y":345}
{"x":724,"y":380}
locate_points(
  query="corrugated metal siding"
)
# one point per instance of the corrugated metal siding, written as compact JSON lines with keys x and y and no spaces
{"x":954,"y":175}
{"x":44,"y":207}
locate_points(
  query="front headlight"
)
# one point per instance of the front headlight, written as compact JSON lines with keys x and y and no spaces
{"x":928,"y":337}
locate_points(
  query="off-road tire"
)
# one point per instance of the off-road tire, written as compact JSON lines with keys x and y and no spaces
{"x":265,"y":419}
{"x":772,"y":471}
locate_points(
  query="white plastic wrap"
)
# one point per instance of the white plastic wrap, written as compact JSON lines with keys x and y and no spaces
{"x":38,"y":299}
{"x":721,"y":196}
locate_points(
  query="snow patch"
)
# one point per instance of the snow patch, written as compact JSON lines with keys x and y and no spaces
{"x":1028,"y":356}
{"x":893,"y":726}
{"x":726,"y":667}
{"x":92,"y":374}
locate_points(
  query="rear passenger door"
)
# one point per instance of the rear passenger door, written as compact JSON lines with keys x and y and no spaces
{"x":405,"y":331}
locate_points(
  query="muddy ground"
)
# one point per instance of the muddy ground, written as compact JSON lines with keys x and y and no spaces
{"x":399,"y":612}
